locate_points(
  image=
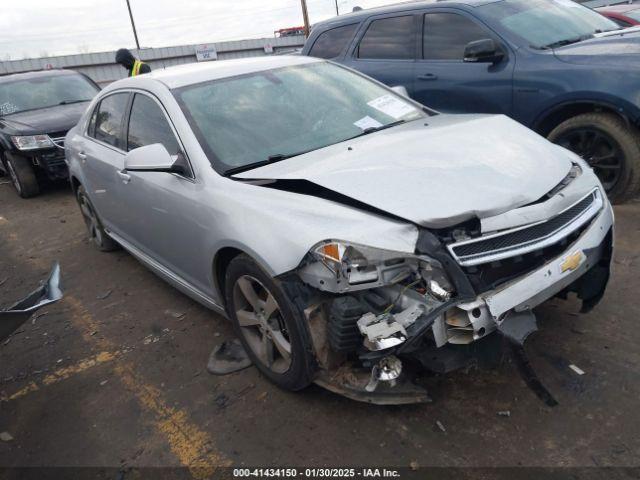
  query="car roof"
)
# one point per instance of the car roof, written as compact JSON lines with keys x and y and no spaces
{"x":619,"y":8}
{"x":193,"y":73}
{"x":359,"y":15}
{"x":37,"y":74}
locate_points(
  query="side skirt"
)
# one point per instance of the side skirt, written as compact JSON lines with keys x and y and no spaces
{"x":170,"y":277}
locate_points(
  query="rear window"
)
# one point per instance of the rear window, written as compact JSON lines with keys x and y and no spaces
{"x":389,"y":38}
{"x":330,"y":44}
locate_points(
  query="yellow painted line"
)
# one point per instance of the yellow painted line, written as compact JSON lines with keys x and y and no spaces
{"x":191,"y":445}
{"x":65,"y":372}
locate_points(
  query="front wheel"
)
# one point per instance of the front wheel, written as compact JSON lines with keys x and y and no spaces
{"x":609,"y":145}
{"x":22,"y":175}
{"x":271,"y":330}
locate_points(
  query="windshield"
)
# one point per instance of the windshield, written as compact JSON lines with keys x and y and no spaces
{"x":42,"y":92}
{"x":275,"y":114}
{"x":548,"y":23}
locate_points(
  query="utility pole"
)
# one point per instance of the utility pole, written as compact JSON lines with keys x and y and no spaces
{"x":337,"y":10}
{"x":305,"y":16}
{"x":133,"y":25}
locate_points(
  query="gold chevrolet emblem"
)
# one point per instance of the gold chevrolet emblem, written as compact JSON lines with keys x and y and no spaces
{"x":570,"y":263}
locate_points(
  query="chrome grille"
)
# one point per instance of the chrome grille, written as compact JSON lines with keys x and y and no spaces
{"x":528,"y":238}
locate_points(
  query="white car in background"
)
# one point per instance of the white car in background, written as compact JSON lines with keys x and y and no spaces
{"x":343,"y":228}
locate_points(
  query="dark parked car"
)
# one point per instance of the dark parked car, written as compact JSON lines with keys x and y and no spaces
{"x":37,"y":109}
{"x":555,"y":66}
{"x":624,"y":15}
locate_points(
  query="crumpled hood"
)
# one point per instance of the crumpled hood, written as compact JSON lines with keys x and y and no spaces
{"x":60,"y":118}
{"x":455,"y":168}
{"x":619,"y":48}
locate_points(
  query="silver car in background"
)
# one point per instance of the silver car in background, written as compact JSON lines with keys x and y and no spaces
{"x":348,"y":232}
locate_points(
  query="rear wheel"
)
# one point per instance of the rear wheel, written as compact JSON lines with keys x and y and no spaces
{"x":269,"y":326}
{"x":22,"y":175}
{"x":96,"y":232}
{"x":609,"y":145}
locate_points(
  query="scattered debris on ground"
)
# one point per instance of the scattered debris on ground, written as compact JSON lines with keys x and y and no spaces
{"x":228,"y":357}
{"x":576,"y":369}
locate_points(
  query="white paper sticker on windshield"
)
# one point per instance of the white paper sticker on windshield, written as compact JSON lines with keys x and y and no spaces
{"x":392,"y":106}
{"x":367,"y":122}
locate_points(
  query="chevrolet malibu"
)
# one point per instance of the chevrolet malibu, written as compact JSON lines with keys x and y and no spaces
{"x":349,"y":233}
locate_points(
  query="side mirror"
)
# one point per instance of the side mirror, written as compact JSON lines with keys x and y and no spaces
{"x":482,"y":51}
{"x":151,"y":158}
{"x":400,"y":90}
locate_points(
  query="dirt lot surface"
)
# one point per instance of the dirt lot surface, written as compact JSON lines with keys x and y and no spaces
{"x":114,"y":376}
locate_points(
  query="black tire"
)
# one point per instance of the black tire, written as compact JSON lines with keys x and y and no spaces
{"x":22,"y":175}
{"x":610,"y":146}
{"x":97,"y":234}
{"x":289,"y":320}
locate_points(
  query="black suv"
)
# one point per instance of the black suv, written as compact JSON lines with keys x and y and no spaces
{"x":36,"y":111}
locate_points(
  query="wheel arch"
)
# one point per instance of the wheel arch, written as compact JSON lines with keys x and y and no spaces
{"x":75,"y":184}
{"x":221,"y":262}
{"x":554,"y":116}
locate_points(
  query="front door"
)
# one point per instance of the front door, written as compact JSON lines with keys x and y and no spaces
{"x":163,"y":218}
{"x":445,"y":82}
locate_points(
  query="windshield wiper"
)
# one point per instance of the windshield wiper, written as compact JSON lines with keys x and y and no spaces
{"x":370,"y":130}
{"x":276,"y":157}
{"x":71,"y":102}
{"x":566,"y":41}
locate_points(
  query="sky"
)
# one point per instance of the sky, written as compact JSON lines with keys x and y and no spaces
{"x":37,"y":28}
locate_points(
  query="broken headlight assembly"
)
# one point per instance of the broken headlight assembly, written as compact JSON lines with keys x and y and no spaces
{"x":338,"y":266}
{"x":32,"y":142}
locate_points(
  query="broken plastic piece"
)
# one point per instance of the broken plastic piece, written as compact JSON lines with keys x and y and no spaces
{"x":576,"y":369}
{"x":48,"y":293}
{"x":517,"y":326}
{"x":381,"y":331}
{"x":228,"y":357}
{"x":387,"y":370}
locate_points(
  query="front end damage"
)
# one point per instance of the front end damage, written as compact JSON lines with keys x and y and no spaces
{"x":376,"y":315}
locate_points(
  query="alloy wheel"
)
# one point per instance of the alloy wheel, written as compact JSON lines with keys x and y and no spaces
{"x":262,"y":324}
{"x":599,"y":150}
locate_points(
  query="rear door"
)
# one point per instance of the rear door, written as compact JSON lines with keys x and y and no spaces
{"x":445,"y":82}
{"x":386,"y":49}
{"x":103,"y":157}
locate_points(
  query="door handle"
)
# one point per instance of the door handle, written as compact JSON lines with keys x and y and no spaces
{"x":124,"y":176}
{"x":428,"y":76}
{"x":82,"y":156}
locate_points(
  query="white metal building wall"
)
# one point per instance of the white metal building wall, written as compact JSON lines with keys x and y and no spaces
{"x":102,"y":69}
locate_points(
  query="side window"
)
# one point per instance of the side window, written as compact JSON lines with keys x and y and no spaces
{"x":330,"y":44}
{"x":108,"y":119}
{"x":148,"y":125}
{"x":447,"y":34}
{"x":91,"y":129}
{"x":389,"y":38}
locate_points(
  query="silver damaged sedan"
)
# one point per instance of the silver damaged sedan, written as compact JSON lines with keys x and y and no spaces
{"x":350,"y":234}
